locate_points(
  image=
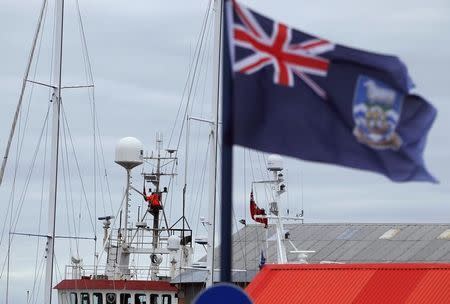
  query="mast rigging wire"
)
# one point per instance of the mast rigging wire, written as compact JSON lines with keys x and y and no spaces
{"x":14,"y":218}
{"x":20,"y":140}
{"x":38,"y":243}
{"x":198,"y":128}
{"x":190,"y":78}
{"x":24,"y":83}
{"x":190,"y":81}
{"x":13,"y":223}
{"x":65,"y":121}
{"x":65,"y":166}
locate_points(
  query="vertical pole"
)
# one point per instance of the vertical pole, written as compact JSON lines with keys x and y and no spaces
{"x":127,"y":202}
{"x":188,"y":129}
{"x":216,"y":91}
{"x":56,"y":100}
{"x":281,"y":252}
{"x":155,"y":240}
{"x":158,"y":175}
{"x":227,"y":159}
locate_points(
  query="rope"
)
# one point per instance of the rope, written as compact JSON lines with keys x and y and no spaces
{"x":25,"y":190}
{"x":193,"y":63}
{"x":90,"y":79}
{"x":197,"y":154}
{"x":37,"y":287}
{"x":35,"y":276}
{"x":19,"y":146}
{"x":65,"y":177}
{"x":41,"y":19}
{"x":202,"y":182}
{"x":65,"y":121}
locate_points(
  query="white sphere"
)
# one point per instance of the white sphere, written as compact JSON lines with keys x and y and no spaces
{"x":129,"y":152}
{"x":76,"y":260}
{"x":173,"y":243}
{"x":274,"y":162}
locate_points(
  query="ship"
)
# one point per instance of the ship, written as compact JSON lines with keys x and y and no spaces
{"x":167,"y":246}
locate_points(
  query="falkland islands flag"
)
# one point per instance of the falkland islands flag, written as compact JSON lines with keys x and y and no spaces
{"x":296,"y":94}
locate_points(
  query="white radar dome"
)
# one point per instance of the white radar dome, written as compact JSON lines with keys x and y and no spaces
{"x":129,"y":152}
{"x":173,"y":243}
{"x":274,"y":162}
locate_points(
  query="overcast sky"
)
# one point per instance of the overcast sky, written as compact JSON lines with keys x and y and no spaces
{"x":140,"y":53}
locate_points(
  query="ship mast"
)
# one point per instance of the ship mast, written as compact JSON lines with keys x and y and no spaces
{"x":155,"y":239}
{"x":56,"y":100}
{"x":218,"y":10}
{"x":155,"y":178}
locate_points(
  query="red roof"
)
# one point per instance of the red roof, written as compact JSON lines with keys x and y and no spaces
{"x":87,"y":284}
{"x":352,"y":283}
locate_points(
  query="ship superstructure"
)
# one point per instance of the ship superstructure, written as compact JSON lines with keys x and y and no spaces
{"x":166,"y":249}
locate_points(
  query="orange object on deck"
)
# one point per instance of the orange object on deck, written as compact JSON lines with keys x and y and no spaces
{"x":352,"y":283}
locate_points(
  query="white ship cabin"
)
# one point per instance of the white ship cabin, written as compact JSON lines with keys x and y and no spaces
{"x":89,"y":291}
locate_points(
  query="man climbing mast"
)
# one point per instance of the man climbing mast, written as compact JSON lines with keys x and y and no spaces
{"x":154,"y":201}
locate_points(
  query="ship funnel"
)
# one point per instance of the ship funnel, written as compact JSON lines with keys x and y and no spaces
{"x":129,"y":153}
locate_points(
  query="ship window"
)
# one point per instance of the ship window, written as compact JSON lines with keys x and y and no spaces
{"x":111,"y":298}
{"x":154,"y":299}
{"x":140,"y":298}
{"x":65,"y":298}
{"x":125,"y":298}
{"x":167,"y":299}
{"x":97,"y":298}
{"x":73,"y":298}
{"x":84,"y":298}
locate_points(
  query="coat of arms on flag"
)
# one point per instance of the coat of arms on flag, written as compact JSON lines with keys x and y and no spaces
{"x":376,"y":111}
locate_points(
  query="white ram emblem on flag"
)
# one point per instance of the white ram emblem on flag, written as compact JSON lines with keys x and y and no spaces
{"x":376,"y":112}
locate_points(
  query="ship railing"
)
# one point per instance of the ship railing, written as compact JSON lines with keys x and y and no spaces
{"x":145,"y":237}
{"x":99,"y":272}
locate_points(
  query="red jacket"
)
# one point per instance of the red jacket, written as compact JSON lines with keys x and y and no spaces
{"x":153,"y":200}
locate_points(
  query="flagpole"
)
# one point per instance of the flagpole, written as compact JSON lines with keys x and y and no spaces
{"x":227,"y":159}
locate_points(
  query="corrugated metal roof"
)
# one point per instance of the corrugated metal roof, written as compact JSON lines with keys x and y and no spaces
{"x":356,"y":283}
{"x":347,"y":243}
{"x":344,"y":243}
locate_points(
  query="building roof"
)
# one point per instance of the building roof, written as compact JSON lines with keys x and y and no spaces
{"x":336,"y":243}
{"x":345,"y":243}
{"x":87,"y":284}
{"x":356,"y":283}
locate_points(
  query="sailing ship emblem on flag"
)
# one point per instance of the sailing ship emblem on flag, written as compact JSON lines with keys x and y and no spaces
{"x":287,"y":58}
{"x":376,"y":112}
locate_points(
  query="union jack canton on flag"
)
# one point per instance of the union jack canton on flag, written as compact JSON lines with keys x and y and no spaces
{"x":306,"y":97}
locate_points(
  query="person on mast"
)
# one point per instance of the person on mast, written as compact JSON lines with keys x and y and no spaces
{"x":153,"y":200}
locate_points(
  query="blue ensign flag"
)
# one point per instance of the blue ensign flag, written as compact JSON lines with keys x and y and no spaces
{"x":296,"y":94}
